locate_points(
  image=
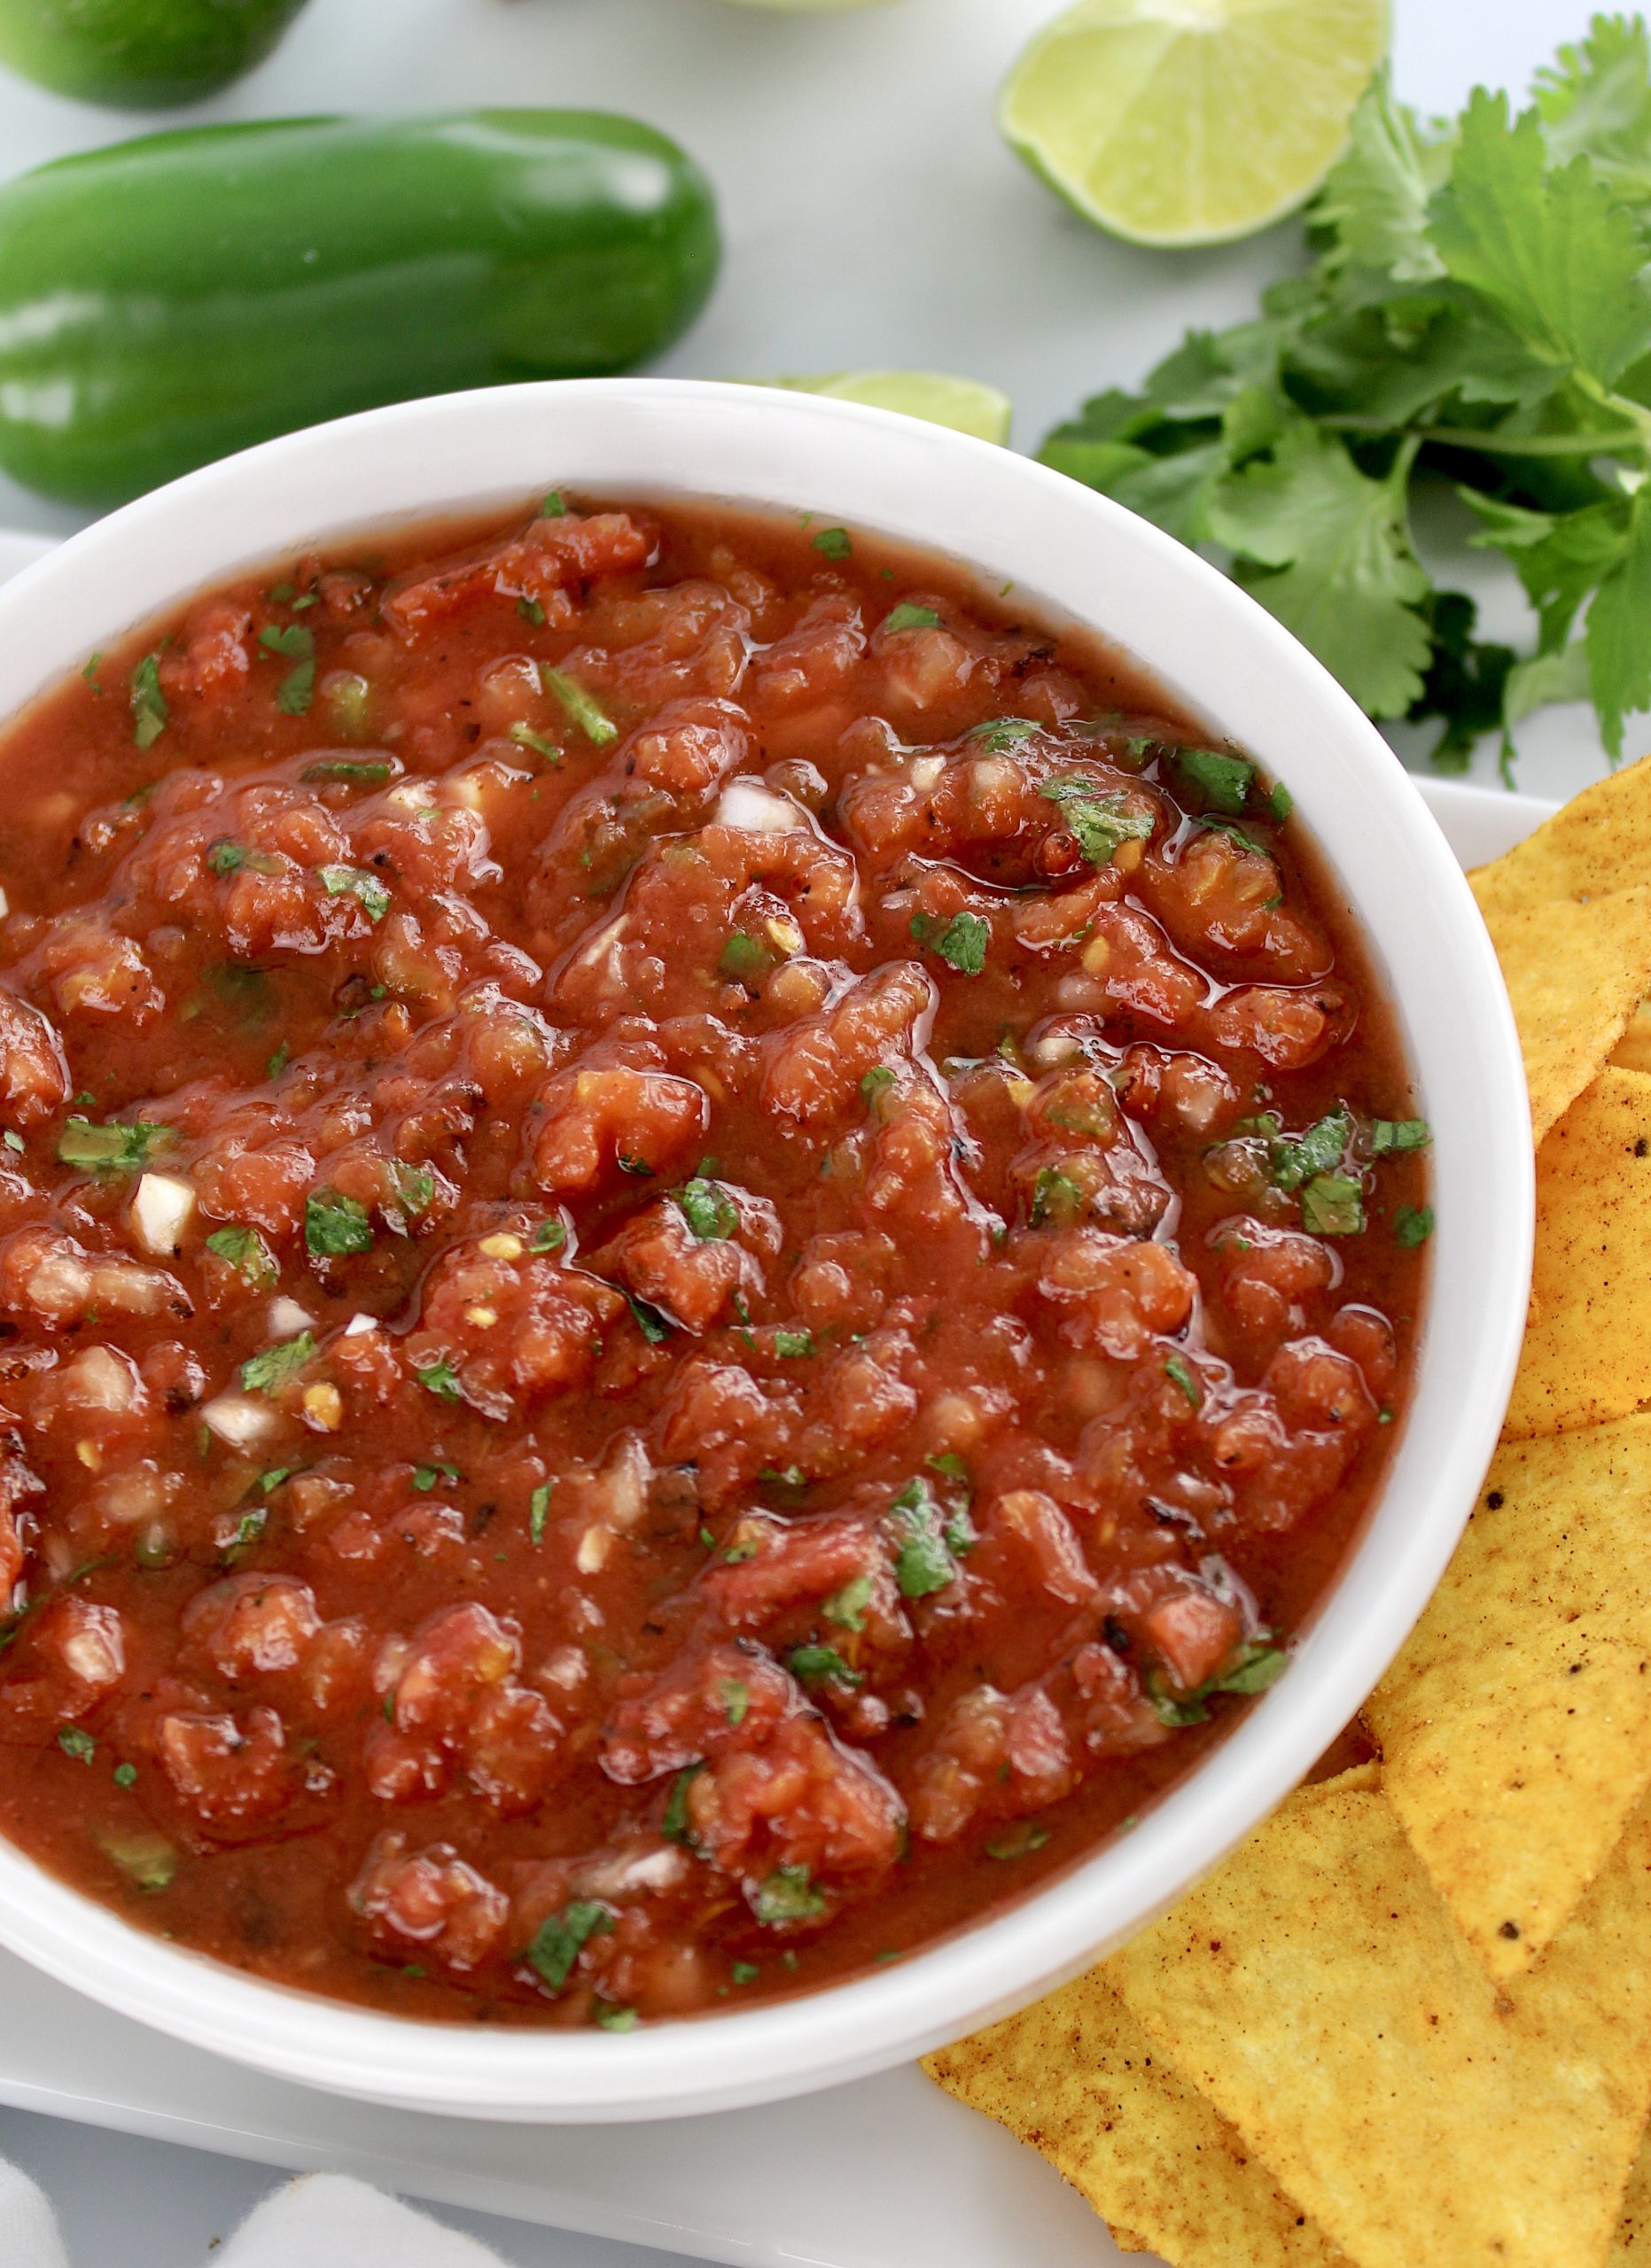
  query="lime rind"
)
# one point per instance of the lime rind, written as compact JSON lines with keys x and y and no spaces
{"x":964,"y":404}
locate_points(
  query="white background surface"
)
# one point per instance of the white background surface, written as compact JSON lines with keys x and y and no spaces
{"x":872,"y":219}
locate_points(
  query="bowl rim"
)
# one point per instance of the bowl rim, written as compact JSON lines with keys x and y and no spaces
{"x":972,"y":502}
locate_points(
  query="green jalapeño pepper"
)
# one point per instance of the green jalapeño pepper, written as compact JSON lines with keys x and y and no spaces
{"x":168,"y":300}
{"x":139,"y":54}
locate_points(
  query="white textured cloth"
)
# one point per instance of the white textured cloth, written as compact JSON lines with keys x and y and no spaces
{"x":323,"y":2220}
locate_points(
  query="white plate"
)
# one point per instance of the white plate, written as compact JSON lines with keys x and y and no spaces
{"x":882,"y":2174}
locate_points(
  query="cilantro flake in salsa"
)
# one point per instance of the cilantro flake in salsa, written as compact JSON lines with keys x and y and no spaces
{"x":632,"y":1394}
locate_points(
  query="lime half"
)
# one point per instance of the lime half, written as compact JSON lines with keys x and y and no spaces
{"x":1191,"y":122}
{"x":963,"y":404}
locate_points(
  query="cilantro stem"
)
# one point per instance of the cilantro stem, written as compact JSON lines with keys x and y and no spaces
{"x":1490,"y":443}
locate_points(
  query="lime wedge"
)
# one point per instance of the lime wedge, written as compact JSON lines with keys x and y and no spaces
{"x":963,"y":404}
{"x":1191,"y":122}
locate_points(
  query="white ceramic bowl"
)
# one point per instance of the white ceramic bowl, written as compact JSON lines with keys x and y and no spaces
{"x":1072,"y":552}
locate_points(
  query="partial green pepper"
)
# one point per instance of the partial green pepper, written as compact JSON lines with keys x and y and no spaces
{"x":168,"y":300}
{"x":139,"y":54}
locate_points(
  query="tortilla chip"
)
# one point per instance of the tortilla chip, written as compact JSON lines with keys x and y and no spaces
{"x":1077,"y":2078}
{"x":1587,"y":1354}
{"x":1631,"y":2247}
{"x":1574,"y":974}
{"x":1599,"y":842}
{"x":1633,"y":1049}
{"x":1316,"y":1990}
{"x":1516,"y":1723}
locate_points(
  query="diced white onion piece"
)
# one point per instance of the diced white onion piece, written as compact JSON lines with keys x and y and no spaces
{"x":98,"y":1378}
{"x":141,"y":1492}
{"x":287,"y":1318}
{"x":593,"y":1547}
{"x":758,"y":810}
{"x":94,"y":1647}
{"x":5,"y":906}
{"x":357,"y":1324}
{"x":926,"y":771}
{"x":659,"y":1870}
{"x":239,"y":1418}
{"x":619,"y":1490}
{"x":162,"y":1211}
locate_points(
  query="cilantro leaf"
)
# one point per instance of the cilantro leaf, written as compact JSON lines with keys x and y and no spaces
{"x":297,"y":689}
{"x":821,"y":1666}
{"x":350,"y":771}
{"x":1056,"y":1198}
{"x":650,"y":1320}
{"x":335,"y":1225}
{"x":1333,"y":1205}
{"x":745,"y":959}
{"x":907,"y":616}
{"x":539,"y":1511}
{"x":1559,"y":558}
{"x":115,"y":1148}
{"x":674,"y":1826}
{"x":1000,"y":732}
{"x":1553,"y":251}
{"x":708,"y":1209}
{"x":1388,"y":1135}
{"x":268,"y":1372}
{"x":245,"y":1250}
{"x":351,"y":881}
{"x":1101,"y":819}
{"x":847,"y":1607}
{"x":923,"y":1562}
{"x":580,"y":707}
{"x":1477,"y":304}
{"x":1017,"y":1842}
{"x":1541,"y":680}
{"x":1618,"y":649}
{"x":1225,"y":780}
{"x":1466,"y":683}
{"x":1257,"y":1668}
{"x":961,"y":941}
{"x":1594,"y":100}
{"x":1181,"y":1373}
{"x":787,"y":1895}
{"x":557,"y":1941}
{"x":1413,"y":1225}
{"x":1325,"y":548}
{"x":1316,"y":1151}
{"x":1374,"y":198}
{"x":150,"y":712}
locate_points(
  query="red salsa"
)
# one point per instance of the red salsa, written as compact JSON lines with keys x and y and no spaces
{"x":703,"y":1246}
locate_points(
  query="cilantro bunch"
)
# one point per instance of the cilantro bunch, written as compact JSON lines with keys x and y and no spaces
{"x":1477,"y":307}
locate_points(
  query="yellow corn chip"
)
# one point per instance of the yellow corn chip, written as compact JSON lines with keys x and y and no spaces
{"x":1516,"y":1724}
{"x":1633,"y":1049}
{"x":1077,"y":2078}
{"x":1601,"y":842}
{"x":1631,"y":2247}
{"x":1574,"y":974}
{"x":1316,"y":1991}
{"x":1587,"y":1354}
